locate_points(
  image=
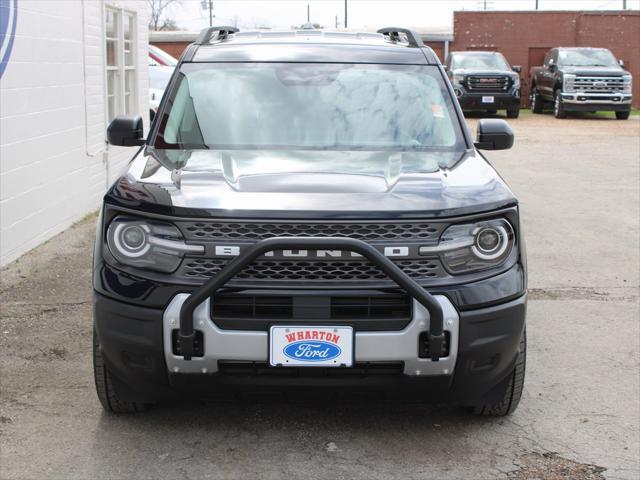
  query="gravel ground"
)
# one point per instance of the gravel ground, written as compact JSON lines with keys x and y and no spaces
{"x":578,"y":181}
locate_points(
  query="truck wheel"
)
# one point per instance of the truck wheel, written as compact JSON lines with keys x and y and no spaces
{"x":104,"y":387}
{"x":537,"y":103}
{"x":513,"y":112}
{"x":511,"y":398}
{"x":623,"y":115}
{"x":558,"y":106}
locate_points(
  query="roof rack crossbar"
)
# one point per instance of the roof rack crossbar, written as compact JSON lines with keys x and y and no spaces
{"x":206,"y":34}
{"x":393,"y":33}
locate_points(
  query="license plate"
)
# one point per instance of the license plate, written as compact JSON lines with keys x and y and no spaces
{"x":309,"y":346}
{"x":487,"y":100}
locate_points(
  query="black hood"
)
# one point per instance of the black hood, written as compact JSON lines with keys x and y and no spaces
{"x":614,"y":71}
{"x":311,"y":184}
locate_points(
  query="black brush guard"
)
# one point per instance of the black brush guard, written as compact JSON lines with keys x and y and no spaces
{"x":235,"y":266}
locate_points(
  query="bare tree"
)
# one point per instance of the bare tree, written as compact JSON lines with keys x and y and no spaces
{"x":157,"y":10}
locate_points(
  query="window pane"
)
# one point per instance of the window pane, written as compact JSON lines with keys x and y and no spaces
{"x":111,"y":108}
{"x":128,"y":54}
{"x":112,"y":58}
{"x":129,"y":79}
{"x":111,"y":26}
{"x":112,"y":86}
{"x":129,"y":87}
{"x":128,"y":27}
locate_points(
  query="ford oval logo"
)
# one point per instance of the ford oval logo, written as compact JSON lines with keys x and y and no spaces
{"x":312,"y":351}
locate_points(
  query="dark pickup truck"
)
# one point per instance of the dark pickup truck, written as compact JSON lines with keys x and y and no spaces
{"x":484,"y":81}
{"x":581,"y":80}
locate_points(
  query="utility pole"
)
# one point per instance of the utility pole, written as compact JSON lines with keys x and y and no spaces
{"x":208,"y":5}
{"x":336,"y":22}
{"x":536,"y":4}
{"x":345,"y":14}
{"x":624,"y":4}
{"x":308,"y":14}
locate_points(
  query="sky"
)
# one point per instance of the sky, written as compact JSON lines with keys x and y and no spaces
{"x":428,"y":16}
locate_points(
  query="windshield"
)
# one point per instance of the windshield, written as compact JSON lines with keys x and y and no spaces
{"x":480,"y":61}
{"x":587,"y":57}
{"x":309,"y":106}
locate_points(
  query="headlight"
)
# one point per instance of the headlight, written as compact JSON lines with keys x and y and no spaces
{"x":458,"y":79}
{"x":626,"y":84}
{"x":569,"y":80}
{"x":474,"y":246}
{"x":151,"y":245}
{"x":516,"y":81}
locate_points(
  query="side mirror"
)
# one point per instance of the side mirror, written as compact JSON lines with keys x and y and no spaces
{"x":493,"y":134}
{"x":553,"y":67}
{"x":621,"y":63}
{"x":126,"y":131}
{"x":516,"y":68}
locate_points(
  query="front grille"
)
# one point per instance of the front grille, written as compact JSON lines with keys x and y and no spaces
{"x":488,"y":83}
{"x":363,"y":369}
{"x":599,"y":84}
{"x":311,"y":270}
{"x":361,"y":231}
{"x":281,"y":307}
{"x":375,"y":311}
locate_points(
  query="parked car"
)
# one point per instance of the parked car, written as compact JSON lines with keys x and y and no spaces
{"x":309,"y":211}
{"x":581,"y":80}
{"x":485,"y":81}
{"x":161,"y":67}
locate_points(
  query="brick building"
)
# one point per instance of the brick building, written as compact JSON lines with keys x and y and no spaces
{"x":525,"y":37}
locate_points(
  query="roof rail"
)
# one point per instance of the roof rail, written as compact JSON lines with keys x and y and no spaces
{"x":393,"y":33}
{"x":206,"y":34}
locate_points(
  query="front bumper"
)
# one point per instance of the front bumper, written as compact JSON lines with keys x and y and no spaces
{"x":135,"y":345}
{"x":584,"y":102}
{"x":474,"y":101}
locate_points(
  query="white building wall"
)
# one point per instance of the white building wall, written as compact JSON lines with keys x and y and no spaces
{"x":54,"y":162}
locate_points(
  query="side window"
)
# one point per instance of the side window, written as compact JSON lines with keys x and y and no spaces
{"x":546,"y":59}
{"x":120,"y":44}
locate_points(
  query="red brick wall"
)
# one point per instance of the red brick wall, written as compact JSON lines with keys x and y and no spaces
{"x":172,"y":48}
{"x":524,"y":37}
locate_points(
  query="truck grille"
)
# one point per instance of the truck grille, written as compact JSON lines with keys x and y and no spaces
{"x":599,"y":84}
{"x":310,"y":270}
{"x":361,"y":231}
{"x":488,"y":83}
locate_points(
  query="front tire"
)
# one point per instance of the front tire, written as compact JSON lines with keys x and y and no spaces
{"x":623,"y":115}
{"x":537,"y":103}
{"x":513,"y":112}
{"x":512,"y":396}
{"x":558,"y":106}
{"x":107,"y":394}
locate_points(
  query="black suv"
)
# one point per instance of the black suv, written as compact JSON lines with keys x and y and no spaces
{"x":484,"y":81}
{"x":309,"y":211}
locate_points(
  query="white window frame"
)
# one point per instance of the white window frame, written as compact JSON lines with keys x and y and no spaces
{"x":120,"y":107}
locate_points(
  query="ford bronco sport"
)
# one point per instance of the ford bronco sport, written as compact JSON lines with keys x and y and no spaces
{"x":309,"y":212}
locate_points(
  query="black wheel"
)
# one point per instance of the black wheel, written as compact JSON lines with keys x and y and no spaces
{"x":104,"y":387}
{"x":511,"y":398}
{"x":623,"y":115}
{"x":537,"y":103}
{"x":558,"y":106}
{"x":513,"y":112}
